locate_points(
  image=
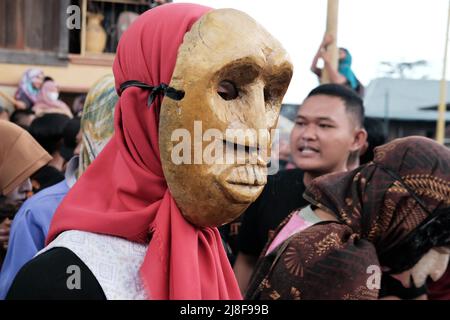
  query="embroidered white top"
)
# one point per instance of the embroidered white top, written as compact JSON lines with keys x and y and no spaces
{"x":114,"y":261}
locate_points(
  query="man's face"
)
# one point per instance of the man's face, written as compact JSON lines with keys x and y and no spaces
{"x":323,"y":135}
{"x":234,"y":75}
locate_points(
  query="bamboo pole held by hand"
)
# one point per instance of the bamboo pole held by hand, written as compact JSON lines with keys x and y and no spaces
{"x":332,"y":28}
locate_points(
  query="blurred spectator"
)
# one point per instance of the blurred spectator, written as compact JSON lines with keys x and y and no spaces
{"x":29,"y":87}
{"x":280,"y":159}
{"x":155,"y":3}
{"x":23,"y":118}
{"x":48,"y":131}
{"x":284,"y":127}
{"x":4,"y":114}
{"x":344,"y":75}
{"x":48,"y":102}
{"x":375,"y":137}
{"x":97,"y":120}
{"x":77,"y":105}
{"x":20,"y":157}
{"x":126,"y":18}
{"x":71,"y":138}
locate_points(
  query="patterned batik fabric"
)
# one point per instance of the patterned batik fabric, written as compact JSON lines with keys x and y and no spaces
{"x":376,"y":211}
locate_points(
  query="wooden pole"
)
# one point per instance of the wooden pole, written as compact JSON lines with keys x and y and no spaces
{"x":332,"y":28}
{"x":440,"y":125}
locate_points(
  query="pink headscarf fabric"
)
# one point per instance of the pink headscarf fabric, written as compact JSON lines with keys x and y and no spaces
{"x":44,"y":103}
{"x":124,"y":193}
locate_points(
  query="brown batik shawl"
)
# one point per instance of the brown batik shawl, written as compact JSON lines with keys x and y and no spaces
{"x":330,"y":260}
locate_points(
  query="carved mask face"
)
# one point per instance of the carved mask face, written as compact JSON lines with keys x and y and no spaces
{"x":213,"y":141}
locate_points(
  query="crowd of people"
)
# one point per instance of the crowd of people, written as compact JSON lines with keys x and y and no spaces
{"x":349,"y":215}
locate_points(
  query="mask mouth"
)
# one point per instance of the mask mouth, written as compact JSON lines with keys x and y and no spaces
{"x":244,"y":154}
{"x":248,"y":175}
{"x":243,"y":181}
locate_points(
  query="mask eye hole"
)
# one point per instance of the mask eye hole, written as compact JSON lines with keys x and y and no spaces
{"x":227,"y":90}
{"x":267,"y":95}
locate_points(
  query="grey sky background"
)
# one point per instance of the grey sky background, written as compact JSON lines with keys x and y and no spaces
{"x":372,"y":30}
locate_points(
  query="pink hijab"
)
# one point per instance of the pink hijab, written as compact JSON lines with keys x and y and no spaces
{"x":44,"y":104}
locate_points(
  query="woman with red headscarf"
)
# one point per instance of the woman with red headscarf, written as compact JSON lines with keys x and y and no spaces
{"x":120,"y":225}
{"x":47,"y":101}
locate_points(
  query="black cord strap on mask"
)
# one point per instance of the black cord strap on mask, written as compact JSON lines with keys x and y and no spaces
{"x":162,"y":88}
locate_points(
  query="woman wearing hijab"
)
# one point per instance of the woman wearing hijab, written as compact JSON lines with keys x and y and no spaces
{"x":29,"y":87}
{"x":47,"y":101}
{"x":120,"y":222}
{"x":97,"y":121}
{"x":20,"y":157}
{"x":32,"y":221}
{"x":388,"y":220}
{"x":135,"y":204}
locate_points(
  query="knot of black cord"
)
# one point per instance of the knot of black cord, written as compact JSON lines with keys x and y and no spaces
{"x":162,"y":88}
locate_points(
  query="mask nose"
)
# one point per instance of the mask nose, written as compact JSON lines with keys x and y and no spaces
{"x":255,"y":116}
{"x":254,"y":111}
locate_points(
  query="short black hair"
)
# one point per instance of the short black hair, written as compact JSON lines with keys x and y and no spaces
{"x":48,"y":130}
{"x":70,"y":133}
{"x":375,"y":137}
{"x":352,"y":101}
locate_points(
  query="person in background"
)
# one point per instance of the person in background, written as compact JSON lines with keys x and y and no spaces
{"x":71,"y":139}
{"x":29,"y":87}
{"x":375,"y":137}
{"x":20,"y":157}
{"x":23,"y":118}
{"x":31,"y":223}
{"x":47,"y":100}
{"x":97,"y":123}
{"x":344,"y":74}
{"x":77,"y":105}
{"x":48,"y":131}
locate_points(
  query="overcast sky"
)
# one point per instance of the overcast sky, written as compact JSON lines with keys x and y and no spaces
{"x":373,"y":31}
